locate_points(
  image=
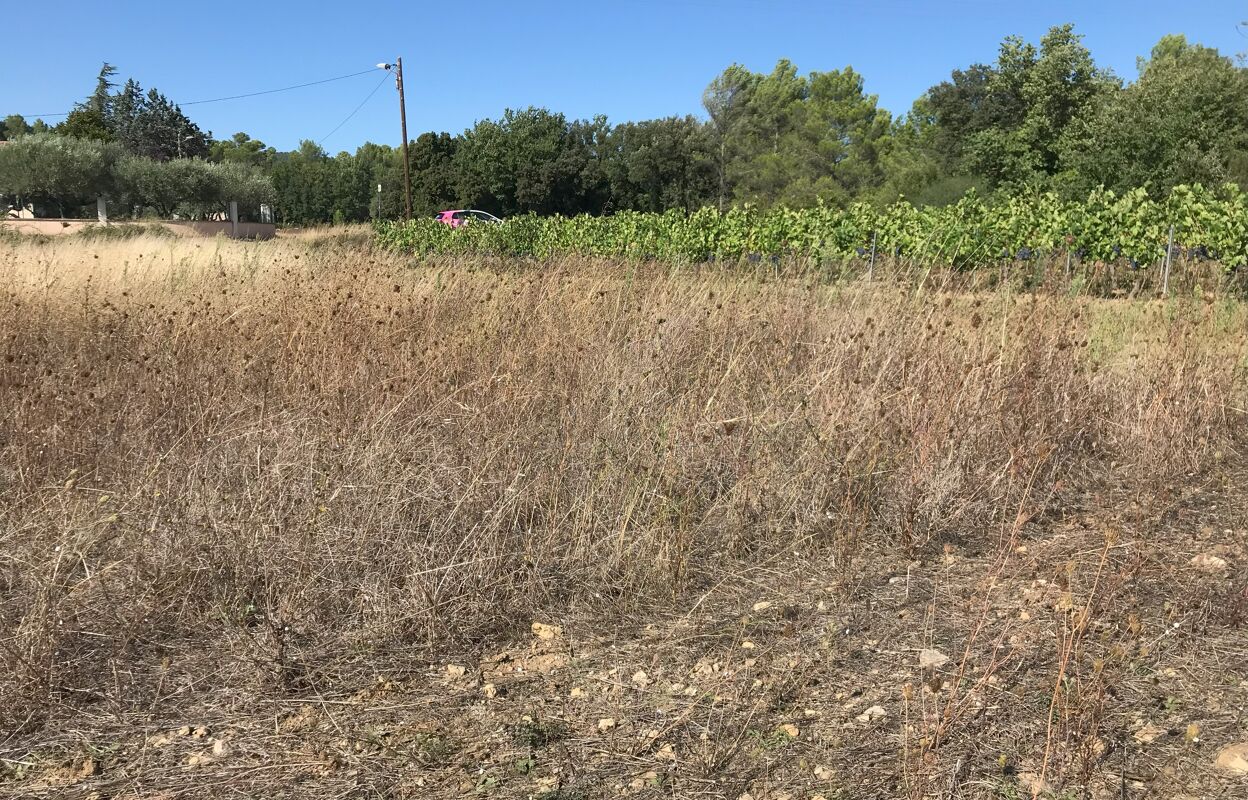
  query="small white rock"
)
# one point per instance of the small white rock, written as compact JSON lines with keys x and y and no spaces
{"x":1208,"y":562}
{"x":1233,"y":759}
{"x":873,"y":713}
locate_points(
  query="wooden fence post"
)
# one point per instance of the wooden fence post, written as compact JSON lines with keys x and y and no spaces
{"x":871,"y":263}
{"x":1165,"y":273}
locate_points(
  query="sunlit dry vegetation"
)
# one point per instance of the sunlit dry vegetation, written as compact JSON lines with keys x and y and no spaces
{"x":234,"y":476}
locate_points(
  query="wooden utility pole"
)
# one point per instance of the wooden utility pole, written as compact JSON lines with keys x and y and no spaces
{"x":407,"y":178}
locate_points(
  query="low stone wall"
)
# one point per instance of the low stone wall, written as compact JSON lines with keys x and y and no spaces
{"x":62,"y":227}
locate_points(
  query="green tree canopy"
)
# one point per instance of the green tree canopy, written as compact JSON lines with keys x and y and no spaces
{"x":1034,"y":96}
{"x":434,"y":181}
{"x":147,"y":125}
{"x":58,"y":170}
{"x":166,"y":186}
{"x":727,"y":102}
{"x":312,"y":187}
{"x":85,"y":123}
{"x":1185,"y":120}
{"x":662,"y":164}
{"x":793,"y":139}
{"x":13,"y":126}
{"x":241,"y":149}
{"x":189,"y":187}
{"x":532,"y":161}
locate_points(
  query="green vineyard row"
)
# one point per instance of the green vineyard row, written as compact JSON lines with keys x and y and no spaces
{"x":1207,"y":224}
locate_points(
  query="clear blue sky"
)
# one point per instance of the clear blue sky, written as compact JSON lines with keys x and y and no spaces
{"x":464,"y":61}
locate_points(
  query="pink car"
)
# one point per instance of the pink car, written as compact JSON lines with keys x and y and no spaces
{"x":462,"y":217}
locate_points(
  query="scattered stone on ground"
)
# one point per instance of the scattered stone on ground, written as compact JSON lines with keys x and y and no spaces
{"x":873,"y":713}
{"x":543,"y":631}
{"x":1233,"y":759}
{"x":1208,"y":562}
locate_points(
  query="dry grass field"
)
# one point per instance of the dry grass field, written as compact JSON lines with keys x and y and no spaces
{"x":307,"y":519}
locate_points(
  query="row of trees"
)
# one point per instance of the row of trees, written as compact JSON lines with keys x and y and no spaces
{"x":1043,"y":117}
{"x":65,"y":175}
{"x":136,"y":149}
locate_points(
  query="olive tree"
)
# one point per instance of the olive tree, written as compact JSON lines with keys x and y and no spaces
{"x":244,"y":184}
{"x":164,"y":186}
{"x":189,"y":187}
{"x":60,"y":171}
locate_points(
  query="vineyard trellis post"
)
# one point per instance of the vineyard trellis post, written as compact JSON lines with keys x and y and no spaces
{"x":871,"y":263}
{"x":1165,"y":273}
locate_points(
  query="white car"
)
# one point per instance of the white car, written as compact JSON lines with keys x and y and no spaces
{"x":464,"y":216}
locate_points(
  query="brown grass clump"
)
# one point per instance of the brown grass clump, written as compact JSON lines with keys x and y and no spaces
{"x":278,"y":466}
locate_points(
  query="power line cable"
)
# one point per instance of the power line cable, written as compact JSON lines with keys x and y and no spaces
{"x":357,"y":108}
{"x":235,"y":96}
{"x":274,"y":91}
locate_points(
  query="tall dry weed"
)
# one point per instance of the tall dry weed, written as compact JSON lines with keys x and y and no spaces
{"x":297,"y":453}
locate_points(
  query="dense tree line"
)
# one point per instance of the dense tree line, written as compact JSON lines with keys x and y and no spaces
{"x":142,"y":124}
{"x":1042,"y":117}
{"x":1048,"y":118}
{"x":63,"y":175}
{"x":136,"y":149}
